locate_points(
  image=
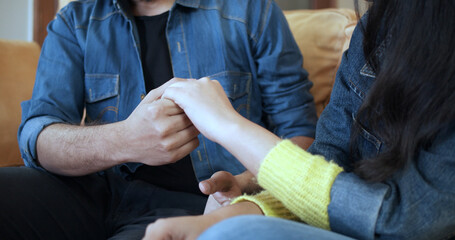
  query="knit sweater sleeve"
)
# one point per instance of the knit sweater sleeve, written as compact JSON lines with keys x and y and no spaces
{"x":297,"y":183}
{"x":269,"y":205}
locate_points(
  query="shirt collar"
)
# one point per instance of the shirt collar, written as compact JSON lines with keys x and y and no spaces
{"x":189,"y":3}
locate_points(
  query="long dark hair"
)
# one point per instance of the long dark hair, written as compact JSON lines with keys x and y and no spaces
{"x":412,"y":98}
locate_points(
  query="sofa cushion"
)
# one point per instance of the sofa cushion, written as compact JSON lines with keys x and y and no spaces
{"x":18,"y":62}
{"x":322,"y":35}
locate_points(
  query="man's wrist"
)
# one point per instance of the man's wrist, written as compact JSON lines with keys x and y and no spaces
{"x":116,"y":143}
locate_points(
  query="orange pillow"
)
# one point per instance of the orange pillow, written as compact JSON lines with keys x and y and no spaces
{"x":322,"y":35}
{"x":18,"y":62}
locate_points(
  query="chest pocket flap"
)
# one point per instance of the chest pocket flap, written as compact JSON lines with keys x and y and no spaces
{"x":235,"y":84}
{"x":100,"y":86}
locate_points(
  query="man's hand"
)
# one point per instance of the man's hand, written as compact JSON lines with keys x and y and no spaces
{"x":223,"y":187}
{"x":205,"y":103}
{"x":158,"y":132}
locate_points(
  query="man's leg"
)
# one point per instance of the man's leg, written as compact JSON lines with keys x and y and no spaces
{"x":38,"y":205}
{"x":143,"y":203}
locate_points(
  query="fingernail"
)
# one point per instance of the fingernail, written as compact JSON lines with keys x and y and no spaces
{"x":204,"y":187}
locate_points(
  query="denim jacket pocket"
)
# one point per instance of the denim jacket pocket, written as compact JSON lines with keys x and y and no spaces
{"x":369,"y":145}
{"x":102,"y":97}
{"x":237,"y":86}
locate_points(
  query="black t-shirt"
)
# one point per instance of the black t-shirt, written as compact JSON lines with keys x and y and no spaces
{"x":157,"y":68}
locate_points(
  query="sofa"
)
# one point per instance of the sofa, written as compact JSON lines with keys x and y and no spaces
{"x":18,"y":62}
{"x":322,"y":36}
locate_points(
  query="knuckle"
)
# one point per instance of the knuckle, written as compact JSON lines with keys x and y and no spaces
{"x":173,"y":160}
{"x":176,"y":79}
{"x":173,"y":157}
{"x":204,"y":80}
{"x":154,"y":110}
{"x":195,"y":143}
{"x":161,"y":131}
{"x":167,"y":148}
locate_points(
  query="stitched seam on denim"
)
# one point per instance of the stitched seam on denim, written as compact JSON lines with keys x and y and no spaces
{"x":223,"y":15}
{"x":102,"y":75}
{"x":118,"y":103}
{"x":232,"y":18}
{"x":65,"y":20}
{"x":368,"y":136}
{"x":106,"y":95}
{"x":185,"y":46}
{"x":207,"y":156}
{"x":356,"y":90}
{"x":234,"y":96}
{"x":106,"y":109}
{"x":63,"y":10}
{"x":367,"y":71}
{"x":235,"y":73}
{"x":105,"y":17}
{"x":248,"y":103}
{"x":264,"y":19}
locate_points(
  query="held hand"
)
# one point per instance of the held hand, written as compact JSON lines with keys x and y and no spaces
{"x":223,"y":187}
{"x":206,"y":104}
{"x":178,"y":228}
{"x":158,"y":131}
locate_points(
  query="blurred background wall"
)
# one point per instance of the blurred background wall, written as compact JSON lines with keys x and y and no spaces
{"x":27,"y":19}
{"x":16,"y":19}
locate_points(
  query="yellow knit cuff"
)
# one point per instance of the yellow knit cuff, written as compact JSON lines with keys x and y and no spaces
{"x":269,"y":205}
{"x":300,"y":180}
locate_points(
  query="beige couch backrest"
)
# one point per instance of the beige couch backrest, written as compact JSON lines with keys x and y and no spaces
{"x":322,"y":36}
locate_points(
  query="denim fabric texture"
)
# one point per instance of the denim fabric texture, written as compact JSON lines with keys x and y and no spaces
{"x":266,"y":228}
{"x":91,"y":59}
{"x":417,"y":202}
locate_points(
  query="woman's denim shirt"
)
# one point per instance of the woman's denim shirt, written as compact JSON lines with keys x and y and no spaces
{"x":417,"y":202}
{"x":90,"y":59}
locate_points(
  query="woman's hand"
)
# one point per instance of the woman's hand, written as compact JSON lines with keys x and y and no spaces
{"x":206,"y":104}
{"x":211,"y":112}
{"x":188,"y":227}
{"x":222,"y":187}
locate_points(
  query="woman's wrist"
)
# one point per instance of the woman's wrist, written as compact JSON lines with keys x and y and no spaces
{"x":230,"y":126}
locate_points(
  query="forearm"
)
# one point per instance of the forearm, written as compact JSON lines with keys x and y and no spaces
{"x":241,"y":208}
{"x":79,"y":150}
{"x":247,"y":141}
{"x":301,"y":174}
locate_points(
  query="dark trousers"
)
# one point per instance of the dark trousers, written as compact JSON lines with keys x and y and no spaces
{"x":38,"y":205}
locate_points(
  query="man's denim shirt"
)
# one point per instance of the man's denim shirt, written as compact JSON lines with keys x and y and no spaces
{"x":90,"y":59}
{"x":417,"y":202}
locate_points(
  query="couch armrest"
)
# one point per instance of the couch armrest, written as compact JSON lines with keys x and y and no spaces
{"x":18,"y":62}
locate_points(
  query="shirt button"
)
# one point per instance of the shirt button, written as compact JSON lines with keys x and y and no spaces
{"x":142,"y":96}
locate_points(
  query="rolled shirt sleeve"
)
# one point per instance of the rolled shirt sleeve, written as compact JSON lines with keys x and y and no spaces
{"x":58,"y":94}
